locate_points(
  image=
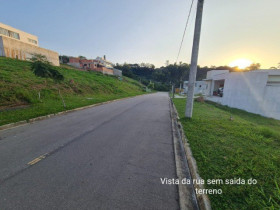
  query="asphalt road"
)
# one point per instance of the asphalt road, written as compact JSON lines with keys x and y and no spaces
{"x":106,"y":157}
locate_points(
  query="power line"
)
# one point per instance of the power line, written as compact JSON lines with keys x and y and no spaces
{"x":185,"y":31}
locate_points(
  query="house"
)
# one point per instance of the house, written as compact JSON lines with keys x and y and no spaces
{"x":17,"y":44}
{"x":98,"y":64}
{"x":104,"y":62}
{"x":75,"y":62}
{"x":255,"y":91}
{"x":199,"y":87}
{"x":215,"y":79}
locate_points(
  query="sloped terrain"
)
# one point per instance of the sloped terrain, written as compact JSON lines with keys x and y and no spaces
{"x":24,"y":95}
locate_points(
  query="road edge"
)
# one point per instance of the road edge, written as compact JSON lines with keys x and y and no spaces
{"x":32,"y":120}
{"x":187,"y":197}
{"x":202,"y":199}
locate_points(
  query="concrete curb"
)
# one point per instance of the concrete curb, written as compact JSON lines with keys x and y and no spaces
{"x":187,"y":197}
{"x":202,"y":199}
{"x":24,"y":122}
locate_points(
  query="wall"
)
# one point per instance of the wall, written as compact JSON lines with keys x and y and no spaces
{"x":117,"y":72}
{"x":249,"y":91}
{"x":107,"y":71}
{"x":74,"y":60}
{"x":208,"y":88}
{"x":271,"y":102}
{"x":76,"y":65}
{"x":13,"y":48}
{"x":103,"y":70}
{"x":2,"y":52}
{"x":219,"y":74}
{"x":200,"y":87}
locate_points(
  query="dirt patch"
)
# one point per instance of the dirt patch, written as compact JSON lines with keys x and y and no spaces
{"x":14,"y":107}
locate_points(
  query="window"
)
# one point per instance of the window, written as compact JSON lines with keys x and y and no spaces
{"x":4,"y":31}
{"x":14,"y":35}
{"x":9,"y":33}
{"x":32,"y":41}
{"x":273,"y":80}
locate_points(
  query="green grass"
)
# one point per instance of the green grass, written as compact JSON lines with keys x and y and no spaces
{"x":246,"y":147}
{"x":19,"y":86}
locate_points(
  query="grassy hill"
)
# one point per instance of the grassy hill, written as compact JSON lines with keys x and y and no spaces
{"x":20,"y":90}
{"x":246,"y":147}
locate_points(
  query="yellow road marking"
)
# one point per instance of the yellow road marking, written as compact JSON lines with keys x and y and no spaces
{"x":36,"y":160}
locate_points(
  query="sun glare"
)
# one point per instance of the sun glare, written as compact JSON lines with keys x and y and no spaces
{"x":241,"y":63}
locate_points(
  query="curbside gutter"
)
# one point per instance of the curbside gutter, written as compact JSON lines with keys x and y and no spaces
{"x":29,"y":121}
{"x":187,"y":197}
{"x":181,"y":141}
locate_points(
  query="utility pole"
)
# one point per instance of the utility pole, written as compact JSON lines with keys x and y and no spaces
{"x":172,"y":91}
{"x":193,"y":69}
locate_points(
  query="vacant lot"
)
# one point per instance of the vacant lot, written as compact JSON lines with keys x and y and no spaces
{"x":246,"y":146}
{"x":24,"y":95}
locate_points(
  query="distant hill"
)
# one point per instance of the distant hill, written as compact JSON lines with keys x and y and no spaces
{"x":24,"y":95}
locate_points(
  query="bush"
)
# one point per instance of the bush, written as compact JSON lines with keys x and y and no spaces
{"x":161,"y":87}
{"x":145,"y":82}
{"x":200,"y":99}
{"x":41,"y":67}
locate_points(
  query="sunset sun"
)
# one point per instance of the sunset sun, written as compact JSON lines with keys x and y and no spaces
{"x":241,"y":63}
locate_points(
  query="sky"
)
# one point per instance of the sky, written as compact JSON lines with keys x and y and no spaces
{"x":150,"y":31}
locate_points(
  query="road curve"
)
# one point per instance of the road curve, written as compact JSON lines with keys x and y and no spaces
{"x":106,"y":157}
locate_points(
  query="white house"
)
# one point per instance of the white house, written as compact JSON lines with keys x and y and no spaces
{"x":253,"y":91}
{"x":109,"y":65}
{"x":104,"y":62}
{"x":199,"y":87}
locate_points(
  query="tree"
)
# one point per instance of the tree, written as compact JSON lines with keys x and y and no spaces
{"x":253,"y":66}
{"x":64,"y":59}
{"x":39,"y":58}
{"x":82,"y":57}
{"x":173,"y":73}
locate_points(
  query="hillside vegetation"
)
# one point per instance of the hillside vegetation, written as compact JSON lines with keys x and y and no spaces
{"x":24,"y":96}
